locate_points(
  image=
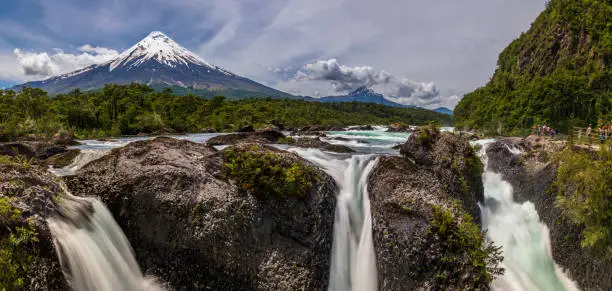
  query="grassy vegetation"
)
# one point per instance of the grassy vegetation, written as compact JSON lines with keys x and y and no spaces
{"x":17,"y":236}
{"x":267,"y":175}
{"x":559,"y":68}
{"x":130,"y":109}
{"x":460,"y":235}
{"x":584,"y":184}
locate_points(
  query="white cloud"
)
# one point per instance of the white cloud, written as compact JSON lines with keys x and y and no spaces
{"x":43,"y":64}
{"x":346,"y":78}
{"x":343,"y":78}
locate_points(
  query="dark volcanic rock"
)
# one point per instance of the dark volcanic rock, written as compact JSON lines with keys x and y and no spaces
{"x":532,"y":176}
{"x":31,"y":190}
{"x":453,"y":161}
{"x":190,"y":226}
{"x":268,"y":136}
{"x":319,"y":144}
{"x":403,"y":193}
{"x":39,"y":147}
{"x":396,"y":127}
{"x":248,"y":128}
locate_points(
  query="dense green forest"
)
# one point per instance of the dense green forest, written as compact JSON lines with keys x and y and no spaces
{"x":132,"y":109}
{"x":558,"y":69}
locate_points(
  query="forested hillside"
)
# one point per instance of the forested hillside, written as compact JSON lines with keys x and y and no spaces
{"x":558,"y":69}
{"x":136,"y":108}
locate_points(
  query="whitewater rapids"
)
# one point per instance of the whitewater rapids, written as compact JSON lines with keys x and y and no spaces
{"x":525,"y":241}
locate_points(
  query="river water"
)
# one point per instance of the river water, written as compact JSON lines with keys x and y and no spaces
{"x":515,"y":227}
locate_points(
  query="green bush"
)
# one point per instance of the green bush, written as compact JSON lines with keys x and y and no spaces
{"x":426,"y":135}
{"x":268,"y":175}
{"x":16,"y":245}
{"x":584,"y":184}
{"x":464,"y":247}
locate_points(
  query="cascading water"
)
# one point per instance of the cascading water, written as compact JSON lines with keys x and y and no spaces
{"x":353,"y":262}
{"x":525,"y":241}
{"x":84,"y":157}
{"x":94,"y":253}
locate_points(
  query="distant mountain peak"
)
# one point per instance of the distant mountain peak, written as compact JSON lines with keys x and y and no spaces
{"x":363,"y":90}
{"x":159,"y":47}
{"x":158,"y":61}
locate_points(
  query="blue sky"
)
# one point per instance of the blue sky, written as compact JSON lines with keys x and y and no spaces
{"x":432,"y":51}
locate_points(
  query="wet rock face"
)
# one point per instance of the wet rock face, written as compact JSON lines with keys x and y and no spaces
{"x":192,"y":227}
{"x":532,"y":175}
{"x":32,"y":192}
{"x":403,"y":192}
{"x":453,"y":161}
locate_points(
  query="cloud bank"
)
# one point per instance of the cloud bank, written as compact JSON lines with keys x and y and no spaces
{"x":398,"y":89}
{"x":43,"y":64}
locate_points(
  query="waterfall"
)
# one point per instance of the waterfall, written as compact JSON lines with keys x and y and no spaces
{"x":353,"y":261}
{"x":84,"y":157}
{"x":525,"y":241}
{"x":94,"y":253}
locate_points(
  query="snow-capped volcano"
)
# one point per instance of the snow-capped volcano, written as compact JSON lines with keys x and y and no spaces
{"x":159,"y":61}
{"x":159,"y":47}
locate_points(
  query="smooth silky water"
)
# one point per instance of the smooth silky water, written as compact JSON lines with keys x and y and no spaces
{"x":96,"y":255}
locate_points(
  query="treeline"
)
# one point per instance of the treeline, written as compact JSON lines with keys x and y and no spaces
{"x":131,"y":109}
{"x":559,"y":69}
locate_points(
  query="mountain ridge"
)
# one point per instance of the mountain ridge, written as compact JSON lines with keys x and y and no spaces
{"x":361,"y":94}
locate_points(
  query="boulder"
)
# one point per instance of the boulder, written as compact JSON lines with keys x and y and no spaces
{"x":268,"y":136}
{"x":454,"y":162}
{"x":408,"y":194}
{"x":192,"y":226}
{"x":30,"y":192}
{"x":248,"y":128}
{"x":398,"y":127}
{"x":306,"y":142}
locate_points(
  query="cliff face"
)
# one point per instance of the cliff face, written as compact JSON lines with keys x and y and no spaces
{"x":558,"y":68}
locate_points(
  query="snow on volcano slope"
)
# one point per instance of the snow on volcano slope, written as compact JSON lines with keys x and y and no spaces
{"x":160,"y":61}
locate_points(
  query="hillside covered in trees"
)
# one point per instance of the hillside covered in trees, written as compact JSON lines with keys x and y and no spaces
{"x":558,"y":69}
{"x":132,"y":109}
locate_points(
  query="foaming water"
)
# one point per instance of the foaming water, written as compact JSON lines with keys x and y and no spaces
{"x":525,"y":241}
{"x":94,"y":253}
{"x":353,"y":262}
{"x":84,"y":157}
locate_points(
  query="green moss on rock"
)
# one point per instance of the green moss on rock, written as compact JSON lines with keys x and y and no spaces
{"x":266,"y":174}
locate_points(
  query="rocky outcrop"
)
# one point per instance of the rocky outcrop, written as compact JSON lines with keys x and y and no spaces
{"x":532,"y":175}
{"x":399,"y":127}
{"x":453,"y":162}
{"x":437,"y":171}
{"x":265,"y":137}
{"x":29,"y":192}
{"x":191,"y":226}
{"x":276,"y":137}
{"x":306,"y":142}
{"x":35,"y":147}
